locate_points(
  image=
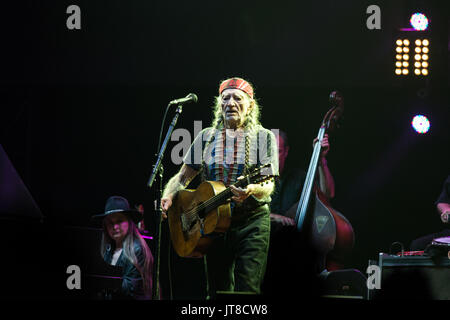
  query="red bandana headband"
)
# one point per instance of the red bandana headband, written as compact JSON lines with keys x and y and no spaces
{"x":237,"y":83}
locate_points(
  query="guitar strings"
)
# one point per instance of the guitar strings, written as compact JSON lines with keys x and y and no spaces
{"x":221,"y":196}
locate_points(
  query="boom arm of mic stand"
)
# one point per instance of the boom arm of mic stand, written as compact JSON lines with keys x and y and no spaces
{"x":158,"y":168}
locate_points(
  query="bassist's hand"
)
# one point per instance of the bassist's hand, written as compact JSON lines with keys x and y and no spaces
{"x":325,"y":145}
{"x":284,"y":221}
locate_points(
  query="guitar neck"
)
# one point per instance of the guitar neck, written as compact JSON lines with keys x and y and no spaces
{"x":308,"y":184}
{"x":221,"y":197}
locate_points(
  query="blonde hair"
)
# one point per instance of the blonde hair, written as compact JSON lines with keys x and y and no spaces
{"x":128,"y":250}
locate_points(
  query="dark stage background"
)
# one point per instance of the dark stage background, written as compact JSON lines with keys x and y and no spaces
{"x":81,"y":110}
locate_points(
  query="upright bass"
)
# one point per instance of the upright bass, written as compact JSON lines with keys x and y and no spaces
{"x":329,"y":232}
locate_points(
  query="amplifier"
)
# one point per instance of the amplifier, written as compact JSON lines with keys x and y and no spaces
{"x":412,"y":277}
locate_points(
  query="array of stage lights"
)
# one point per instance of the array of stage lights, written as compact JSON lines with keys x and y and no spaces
{"x":420,"y":60}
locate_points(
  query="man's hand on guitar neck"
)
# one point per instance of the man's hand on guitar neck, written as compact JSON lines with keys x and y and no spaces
{"x":258,"y":191}
{"x":241,"y":194}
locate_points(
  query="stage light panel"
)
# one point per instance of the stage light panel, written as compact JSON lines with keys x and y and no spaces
{"x":420,"y":50}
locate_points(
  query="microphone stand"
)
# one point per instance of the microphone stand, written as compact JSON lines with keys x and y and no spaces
{"x":158,"y":170}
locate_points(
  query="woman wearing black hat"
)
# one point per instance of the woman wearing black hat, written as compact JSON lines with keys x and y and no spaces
{"x":123,"y":246}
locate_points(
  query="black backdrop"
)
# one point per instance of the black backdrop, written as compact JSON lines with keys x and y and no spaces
{"x":81,"y":109}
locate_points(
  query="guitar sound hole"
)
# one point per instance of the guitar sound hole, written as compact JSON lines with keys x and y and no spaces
{"x":195,"y":218}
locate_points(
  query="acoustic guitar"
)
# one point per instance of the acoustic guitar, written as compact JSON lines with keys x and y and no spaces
{"x":197,"y":215}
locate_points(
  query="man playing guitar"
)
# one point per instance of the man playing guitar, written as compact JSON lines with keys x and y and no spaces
{"x":234,"y":145}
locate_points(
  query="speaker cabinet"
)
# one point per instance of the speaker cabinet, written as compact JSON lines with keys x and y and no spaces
{"x":413,"y":278}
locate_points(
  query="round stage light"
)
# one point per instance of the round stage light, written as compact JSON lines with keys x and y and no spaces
{"x":405,"y":64}
{"x":418,"y":50}
{"x":424,"y":64}
{"x":399,"y":49}
{"x":398,"y":57}
{"x":425,"y":42}
{"x":405,"y":71}
{"x":398,"y":71}
{"x":398,"y":64}
{"x":405,"y":57}
{"x":405,"y":49}
{"x":419,"y":21}
{"x":418,"y":42}
{"x":399,"y":42}
{"x":425,"y":50}
{"x":421,"y":124}
{"x":417,"y":57}
{"x":417,"y":64}
{"x":417,"y":71}
{"x":425,"y":72}
{"x":406,"y":42}
{"x":424,"y":57}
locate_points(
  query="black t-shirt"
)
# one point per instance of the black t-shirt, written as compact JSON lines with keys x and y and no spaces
{"x":287,"y":190}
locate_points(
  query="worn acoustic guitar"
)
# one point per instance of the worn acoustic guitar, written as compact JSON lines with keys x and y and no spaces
{"x":195,"y":214}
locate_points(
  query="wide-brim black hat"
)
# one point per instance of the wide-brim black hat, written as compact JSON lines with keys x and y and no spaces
{"x":117,"y":204}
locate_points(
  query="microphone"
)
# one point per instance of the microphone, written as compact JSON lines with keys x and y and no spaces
{"x":191,"y":97}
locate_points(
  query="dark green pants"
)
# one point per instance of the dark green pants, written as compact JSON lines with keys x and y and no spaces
{"x":237,"y":261}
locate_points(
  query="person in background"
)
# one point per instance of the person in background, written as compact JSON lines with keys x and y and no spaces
{"x":123,"y":246}
{"x":443,"y":208}
{"x":290,"y":184}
